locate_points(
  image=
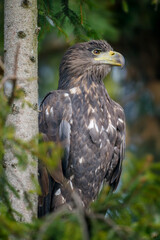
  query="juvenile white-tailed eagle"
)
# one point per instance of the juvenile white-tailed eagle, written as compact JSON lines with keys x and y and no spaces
{"x":87,"y":122}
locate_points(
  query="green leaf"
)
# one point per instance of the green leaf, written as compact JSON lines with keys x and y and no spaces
{"x":125,"y":6}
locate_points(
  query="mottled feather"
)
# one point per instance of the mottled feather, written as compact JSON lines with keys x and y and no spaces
{"x":88,"y":124}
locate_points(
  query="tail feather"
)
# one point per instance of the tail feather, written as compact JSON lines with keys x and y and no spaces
{"x":45,"y":202}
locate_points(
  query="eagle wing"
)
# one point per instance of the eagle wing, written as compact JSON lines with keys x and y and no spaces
{"x":119,"y":148}
{"x":54,"y":123}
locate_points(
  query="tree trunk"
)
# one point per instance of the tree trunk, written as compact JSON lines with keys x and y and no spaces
{"x":20,"y":29}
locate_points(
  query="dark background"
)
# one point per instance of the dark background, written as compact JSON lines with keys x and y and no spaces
{"x":132,"y":28}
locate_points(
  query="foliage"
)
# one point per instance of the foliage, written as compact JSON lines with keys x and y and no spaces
{"x":133,"y":210}
{"x":74,"y":19}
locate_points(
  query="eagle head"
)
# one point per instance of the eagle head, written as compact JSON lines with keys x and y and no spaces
{"x":91,"y":59}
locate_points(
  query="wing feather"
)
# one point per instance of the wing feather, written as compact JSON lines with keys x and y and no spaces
{"x":119,"y":148}
{"x":54,"y":123}
{"x":64,"y":136}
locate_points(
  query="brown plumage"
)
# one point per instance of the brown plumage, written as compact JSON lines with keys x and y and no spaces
{"x":89,"y":125}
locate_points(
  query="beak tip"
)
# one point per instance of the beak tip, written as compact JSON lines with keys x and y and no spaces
{"x":122,"y":61}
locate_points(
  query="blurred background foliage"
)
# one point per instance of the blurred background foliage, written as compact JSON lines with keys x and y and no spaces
{"x":132,"y":28}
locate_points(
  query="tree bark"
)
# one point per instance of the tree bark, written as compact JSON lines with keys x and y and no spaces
{"x":20,"y":30}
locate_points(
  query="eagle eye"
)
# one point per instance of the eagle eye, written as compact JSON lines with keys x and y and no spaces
{"x":96,"y":51}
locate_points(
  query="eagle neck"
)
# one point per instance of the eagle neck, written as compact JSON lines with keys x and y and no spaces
{"x":94,"y":87}
{"x":87,"y":77}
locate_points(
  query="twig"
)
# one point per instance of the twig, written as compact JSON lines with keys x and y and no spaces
{"x":81,"y":215}
{"x":60,"y":29}
{"x":117,"y":229}
{"x":4,"y":79}
{"x":49,"y":219}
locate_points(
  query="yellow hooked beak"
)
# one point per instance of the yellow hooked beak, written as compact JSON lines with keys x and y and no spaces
{"x":111,"y":58}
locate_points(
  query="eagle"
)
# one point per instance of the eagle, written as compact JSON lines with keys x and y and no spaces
{"x":87,"y":123}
